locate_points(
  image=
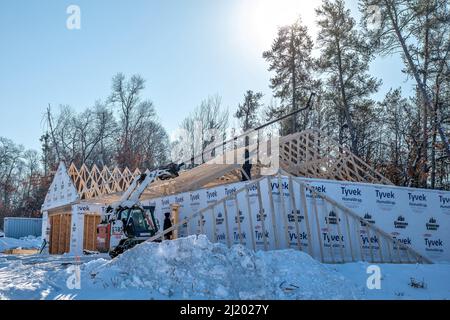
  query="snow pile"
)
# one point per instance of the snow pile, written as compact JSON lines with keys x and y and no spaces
{"x":29,"y":242}
{"x":193,"y":267}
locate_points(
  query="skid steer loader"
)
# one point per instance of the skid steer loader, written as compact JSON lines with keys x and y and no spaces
{"x":127,"y":222}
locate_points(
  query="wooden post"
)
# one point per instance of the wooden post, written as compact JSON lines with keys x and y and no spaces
{"x":250,"y":218}
{"x":380,"y":250}
{"x":175,"y":208}
{"x":272,"y":209}
{"x":325,"y":207}
{"x":283,"y":211}
{"x":349,"y":237}
{"x":238,"y":217}
{"x":261,"y":216}
{"x":316,"y":213}
{"x":361,"y":245}
{"x":294,"y":210}
{"x":398,"y":251}
{"x":214,"y":225}
{"x":225,"y":212}
{"x":94,"y":234}
{"x":338,"y":223}
{"x":407,"y":255}
{"x":306,"y":213}
{"x":60,"y":233}
{"x":388,"y":242}
{"x":370,"y":242}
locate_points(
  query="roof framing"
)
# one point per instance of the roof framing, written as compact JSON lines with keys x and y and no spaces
{"x":309,"y":153}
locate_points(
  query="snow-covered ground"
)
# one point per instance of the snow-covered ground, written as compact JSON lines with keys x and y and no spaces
{"x":194,"y":268}
{"x":29,"y":242}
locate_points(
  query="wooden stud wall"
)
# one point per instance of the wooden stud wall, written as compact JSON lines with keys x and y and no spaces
{"x":345,"y":221}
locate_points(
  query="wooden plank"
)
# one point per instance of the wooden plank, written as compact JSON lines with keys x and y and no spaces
{"x":407,"y":256}
{"x":68,"y":232}
{"x":51,"y":248}
{"x":21,"y":251}
{"x":214,"y":224}
{"x":250,"y":218}
{"x":361,"y":246}
{"x":326,"y":216}
{"x":261,"y":215}
{"x":65,"y":243}
{"x":398,"y":251}
{"x":85,"y":231}
{"x":272,"y":212}
{"x":306,"y":213}
{"x":388,"y":242}
{"x":283,"y":212}
{"x":319,"y":236}
{"x":238,"y":217}
{"x":227,"y":227}
{"x":294,"y":211}
{"x":370,"y":242}
{"x":349,"y":237}
{"x":59,"y":232}
{"x":338,"y":224}
{"x":380,"y":250}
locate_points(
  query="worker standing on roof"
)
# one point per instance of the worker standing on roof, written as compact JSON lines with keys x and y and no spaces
{"x":247,"y":166}
{"x":167,"y":225}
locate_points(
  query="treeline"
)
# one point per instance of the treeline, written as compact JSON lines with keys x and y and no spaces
{"x":123,"y":130}
{"x":403,"y":135}
{"x":22,"y":184}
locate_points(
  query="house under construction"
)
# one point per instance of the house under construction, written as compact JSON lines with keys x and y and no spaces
{"x":77,"y":199}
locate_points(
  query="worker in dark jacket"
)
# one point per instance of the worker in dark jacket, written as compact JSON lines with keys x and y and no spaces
{"x":167,"y":225}
{"x":247,"y":167}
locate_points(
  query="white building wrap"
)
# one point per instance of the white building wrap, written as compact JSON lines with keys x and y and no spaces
{"x":418,"y":218}
{"x":62,"y":190}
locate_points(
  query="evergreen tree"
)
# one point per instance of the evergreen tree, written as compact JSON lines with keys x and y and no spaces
{"x":290,"y":59}
{"x":419,"y":30}
{"x":247,"y":112}
{"x":345,"y":61}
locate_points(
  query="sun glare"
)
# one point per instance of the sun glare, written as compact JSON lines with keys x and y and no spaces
{"x":264,"y":17}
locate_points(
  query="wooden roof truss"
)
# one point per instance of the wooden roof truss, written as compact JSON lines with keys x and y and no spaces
{"x":313,"y":154}
{"x":309,"y":153}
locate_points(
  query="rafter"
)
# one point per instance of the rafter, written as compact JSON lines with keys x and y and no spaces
{"x":309,"y":153}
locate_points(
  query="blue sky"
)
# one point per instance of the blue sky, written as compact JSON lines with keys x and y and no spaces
{"x":185,"y":49}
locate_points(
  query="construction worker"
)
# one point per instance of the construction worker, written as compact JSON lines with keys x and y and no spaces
{"x":247,"y":167}
{"x":167,"y":225}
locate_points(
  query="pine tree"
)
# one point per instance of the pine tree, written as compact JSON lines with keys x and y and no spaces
{"x":345,"y":61}
{"x":290,"y":59}
{"x":247,"y":112}
{"x":418,"y":29}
